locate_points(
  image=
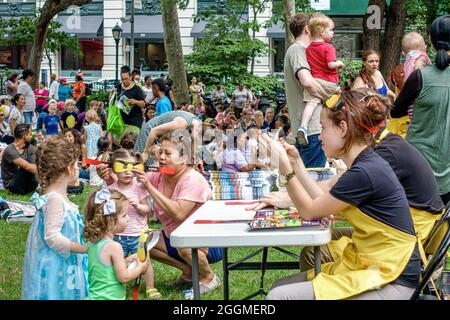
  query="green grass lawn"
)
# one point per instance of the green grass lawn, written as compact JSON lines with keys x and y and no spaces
{"x":242,"y":283}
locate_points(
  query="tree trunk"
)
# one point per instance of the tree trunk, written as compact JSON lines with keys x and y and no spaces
{"x":288,"y":13}
{"x":372,"y":25}
{"x":252,"y":66}
{"x":49,"y":59}
{"x":392,"y":44}
{"x":50,"y":9}
{"x":174,"y":50}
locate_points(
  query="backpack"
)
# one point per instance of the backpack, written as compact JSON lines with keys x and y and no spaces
{"x":88,"y":89}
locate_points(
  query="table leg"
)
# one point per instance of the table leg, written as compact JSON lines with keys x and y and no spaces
{"x":316,"y":260}
{"x":226,"y":294}
{"x":195,"y":274}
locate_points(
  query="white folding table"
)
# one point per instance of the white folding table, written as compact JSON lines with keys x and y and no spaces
{"x":232,"y":235}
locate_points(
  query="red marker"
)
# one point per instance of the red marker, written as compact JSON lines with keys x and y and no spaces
{"x":219,"y":221}
{"x":93,"y":162}
{"x":164,"y":170}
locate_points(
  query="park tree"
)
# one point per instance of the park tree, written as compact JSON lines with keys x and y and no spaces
{"x":284,"y":10}
{"x":225,"y":17}
{"x":396,"y":17}
{"x":174,"y":49}
{"x":49,"y":10}
{"x":288,"y":13}
{"x":22,"y":31}
{"x":57,"y":39}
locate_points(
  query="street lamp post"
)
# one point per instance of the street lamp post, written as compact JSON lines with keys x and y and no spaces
{"x":117,"y":34}
{"x":132,"y":36}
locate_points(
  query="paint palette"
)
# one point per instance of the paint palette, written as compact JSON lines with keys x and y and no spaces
{"x":283,"y":220}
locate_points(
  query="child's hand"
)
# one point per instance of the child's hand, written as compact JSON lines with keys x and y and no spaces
{"x":339,"y":64}
{"x":141,"y":177}
{"x":134,"y":203}
{"x":131,"y":258}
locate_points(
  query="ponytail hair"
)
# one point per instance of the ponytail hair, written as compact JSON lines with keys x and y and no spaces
{"x":440,"y":37}
{"x":364,"y":110}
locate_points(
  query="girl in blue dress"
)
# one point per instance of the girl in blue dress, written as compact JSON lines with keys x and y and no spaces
{"x":55,"y":266}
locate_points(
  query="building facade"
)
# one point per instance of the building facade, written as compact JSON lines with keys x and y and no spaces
{"x":93,"y":24}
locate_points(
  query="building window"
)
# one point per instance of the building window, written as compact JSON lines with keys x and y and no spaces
{"x":15,"y":57}
{"x":92,"y":58}
{"x":150,"y":56}
{"x":278,"y":56}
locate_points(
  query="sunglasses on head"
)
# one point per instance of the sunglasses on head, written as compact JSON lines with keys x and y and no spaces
{"x":335,"y":101}
{"x":121,"y":166}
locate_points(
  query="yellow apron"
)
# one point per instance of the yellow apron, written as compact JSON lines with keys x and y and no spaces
{"x":398,"y":126}
{"x":423,"y":221}
{"x":375,"y":255}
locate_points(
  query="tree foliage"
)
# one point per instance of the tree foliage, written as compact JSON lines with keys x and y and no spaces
{"x":223,"y":58}
{"x":230,"y":43}
{"x":22,"y":31}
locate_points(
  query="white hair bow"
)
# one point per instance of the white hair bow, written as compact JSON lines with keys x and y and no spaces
{"x":104,"y":196}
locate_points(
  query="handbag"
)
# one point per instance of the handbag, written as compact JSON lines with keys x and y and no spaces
{"x":114,"y":121}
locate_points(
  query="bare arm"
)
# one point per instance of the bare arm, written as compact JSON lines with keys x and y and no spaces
{"x":176,"y":209}
{"x":12,"y":124}
{"x":120,"y":268}
{"x":30,"y":167}
{"x":142,"y":207}
{"x":359,"y":83}
{"x":176,"y":124}
{"x":335,"y":65}
{"x":308,"y":82}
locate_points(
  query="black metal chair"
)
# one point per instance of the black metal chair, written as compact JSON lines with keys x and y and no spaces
{"x":422,"y":292}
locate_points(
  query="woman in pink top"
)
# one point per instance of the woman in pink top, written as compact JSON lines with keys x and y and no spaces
{"x":175,"y":198}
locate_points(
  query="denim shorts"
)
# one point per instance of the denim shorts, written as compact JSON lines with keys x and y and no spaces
{"x":214,"y":254}
{"x":312,"y":153}
{"x":129,"y":244}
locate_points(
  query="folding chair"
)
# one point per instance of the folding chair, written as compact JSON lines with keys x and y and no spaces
{"x":440,"y":231}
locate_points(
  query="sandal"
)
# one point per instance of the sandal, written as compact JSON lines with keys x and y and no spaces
{"x":211,"y":286}
{"x":153,"y":294}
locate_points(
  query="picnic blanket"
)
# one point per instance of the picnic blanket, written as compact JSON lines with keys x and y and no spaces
{"x":253,"y":185}
{"x":240,"y":185}
{"x":16,"y":211}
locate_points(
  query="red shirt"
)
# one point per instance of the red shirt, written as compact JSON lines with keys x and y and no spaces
{"x":319,"y":53}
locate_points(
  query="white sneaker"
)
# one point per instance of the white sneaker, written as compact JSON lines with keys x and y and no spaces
{"x":302,"y":135}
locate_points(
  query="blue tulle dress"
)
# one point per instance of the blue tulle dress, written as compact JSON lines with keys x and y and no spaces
{"x":52,"y":275}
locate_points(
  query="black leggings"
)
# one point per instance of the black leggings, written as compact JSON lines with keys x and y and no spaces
{"x":81,"y":104}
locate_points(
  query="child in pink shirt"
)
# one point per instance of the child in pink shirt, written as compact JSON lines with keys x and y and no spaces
{"x":321,"y":57}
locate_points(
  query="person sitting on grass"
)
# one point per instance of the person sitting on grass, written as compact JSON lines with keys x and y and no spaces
{"x":18,"y":166}
{"x":55,"y":266}
{"x":232,"y":158}
{"x":106,"y":214}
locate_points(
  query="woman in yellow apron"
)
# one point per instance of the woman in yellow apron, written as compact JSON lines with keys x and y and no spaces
{"x":381,"y":259}
{"x":416,"y":177}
